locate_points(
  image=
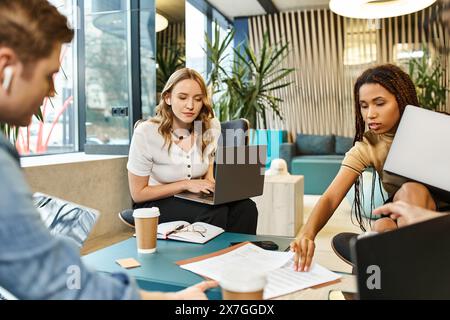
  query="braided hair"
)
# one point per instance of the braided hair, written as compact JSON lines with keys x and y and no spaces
{"x":398,"y":83}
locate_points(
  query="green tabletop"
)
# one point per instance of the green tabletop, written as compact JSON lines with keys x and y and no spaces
{"x":159,"y":272}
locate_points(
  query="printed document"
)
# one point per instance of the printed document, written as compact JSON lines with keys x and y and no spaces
{"x":278,"y":267}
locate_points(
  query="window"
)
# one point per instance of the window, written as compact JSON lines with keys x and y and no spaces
{"x":119,"y":71}
{"x":195,"y":43}
{"x":148,"y":63}
{"x":106,"y":73}
{"x":57,"y":132}
{"x":201,"y":21}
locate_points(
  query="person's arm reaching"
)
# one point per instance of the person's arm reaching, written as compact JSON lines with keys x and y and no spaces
{"x":303,"y":245}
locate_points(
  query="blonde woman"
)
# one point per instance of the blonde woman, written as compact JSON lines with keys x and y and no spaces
{"x":174,"y":152}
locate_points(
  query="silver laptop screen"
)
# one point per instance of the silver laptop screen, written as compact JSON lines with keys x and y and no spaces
{"x":421,"y":148}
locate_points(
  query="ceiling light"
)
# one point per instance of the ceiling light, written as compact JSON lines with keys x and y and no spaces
{"x":377,"y":9}
{"x":161,"y":22}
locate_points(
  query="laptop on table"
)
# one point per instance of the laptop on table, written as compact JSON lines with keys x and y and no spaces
{"x":239,"y":174}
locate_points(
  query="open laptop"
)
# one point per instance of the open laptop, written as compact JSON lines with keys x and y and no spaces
{"x":409,"y":263}
{"x":64,"y":218}
{"x":239,"y":174}
{"x":421,"y":149}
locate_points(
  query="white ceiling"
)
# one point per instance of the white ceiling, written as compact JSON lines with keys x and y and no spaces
{"x":238,"y":8}
{"x":285,"y":5}
{"x":242,"y":8}
{"x":174,"y":9}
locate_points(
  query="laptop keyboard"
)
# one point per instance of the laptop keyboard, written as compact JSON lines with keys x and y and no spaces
{"x":207,"y":196}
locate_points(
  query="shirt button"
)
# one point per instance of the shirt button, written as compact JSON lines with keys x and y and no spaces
{"x":189,"y":166}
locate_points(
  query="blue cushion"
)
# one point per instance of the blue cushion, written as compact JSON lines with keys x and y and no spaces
{"x":315,"y":144}
{"x":343,"y":144}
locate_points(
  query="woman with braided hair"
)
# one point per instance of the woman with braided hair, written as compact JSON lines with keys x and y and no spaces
{"x":381,"y":95}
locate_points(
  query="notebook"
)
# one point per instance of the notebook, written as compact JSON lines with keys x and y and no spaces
{"x":198,"y":232}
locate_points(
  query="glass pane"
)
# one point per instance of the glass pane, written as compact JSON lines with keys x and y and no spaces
{"x":107,"y":80}
{"x":56,"y":134}
{"x":170,"y":42}
{"x":148,"y":64}
{"x":195,"y":43}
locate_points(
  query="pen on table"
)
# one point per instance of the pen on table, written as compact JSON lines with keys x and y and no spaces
{"x":175,"y":230}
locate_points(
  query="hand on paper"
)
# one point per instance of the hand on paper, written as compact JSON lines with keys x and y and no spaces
{"x":304,"y":251}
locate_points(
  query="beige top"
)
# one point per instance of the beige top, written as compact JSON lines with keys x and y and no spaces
{"x":372,"y":151}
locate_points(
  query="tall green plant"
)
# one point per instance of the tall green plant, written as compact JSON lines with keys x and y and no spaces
{"x":168,"y":63}
{"x":9,"y":131}
{"x":250,"y":89}
{"x":216,"y":51}
{"x":12,"y":132}
{"x":428,"y":74}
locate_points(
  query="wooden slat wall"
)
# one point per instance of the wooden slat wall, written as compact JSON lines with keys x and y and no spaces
{"x":173,"y":34}
{"x":320,"y":101}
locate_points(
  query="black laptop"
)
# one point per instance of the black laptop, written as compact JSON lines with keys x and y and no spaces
{"x":239,"y":174}
{"x":409,"y":263}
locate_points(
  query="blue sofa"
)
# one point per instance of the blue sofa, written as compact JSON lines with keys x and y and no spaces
{"x":317,"y":158}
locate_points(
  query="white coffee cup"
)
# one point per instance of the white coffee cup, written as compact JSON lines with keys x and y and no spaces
{"x":146,"y":225}
{"x":238,"y":284}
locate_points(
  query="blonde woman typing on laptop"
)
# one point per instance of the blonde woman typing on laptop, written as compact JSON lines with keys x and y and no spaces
{"x":381,"y":95}
{"x":174,"y":152}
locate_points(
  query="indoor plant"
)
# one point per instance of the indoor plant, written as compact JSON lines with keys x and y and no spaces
{"x":427,"y":74}
{"x":249,"y":90}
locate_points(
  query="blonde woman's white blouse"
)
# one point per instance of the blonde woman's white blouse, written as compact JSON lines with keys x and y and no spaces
{"x":150,"y":157}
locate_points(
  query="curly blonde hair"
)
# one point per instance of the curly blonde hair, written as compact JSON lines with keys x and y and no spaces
{"x":164,"y":114}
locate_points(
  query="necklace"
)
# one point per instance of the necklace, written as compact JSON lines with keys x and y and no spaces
{"x":181,"y":137}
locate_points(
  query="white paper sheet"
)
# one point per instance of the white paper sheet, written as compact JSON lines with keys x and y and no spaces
{"x":278,"y":267}
{"x":247,"y":257}
{"x":285,"y":280}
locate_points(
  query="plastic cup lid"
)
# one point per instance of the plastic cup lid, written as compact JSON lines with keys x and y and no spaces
{"x":243,"y":282}
{"x":146,"y":213}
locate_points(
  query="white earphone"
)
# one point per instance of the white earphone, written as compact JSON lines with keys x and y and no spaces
{"x":8,"y":75}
